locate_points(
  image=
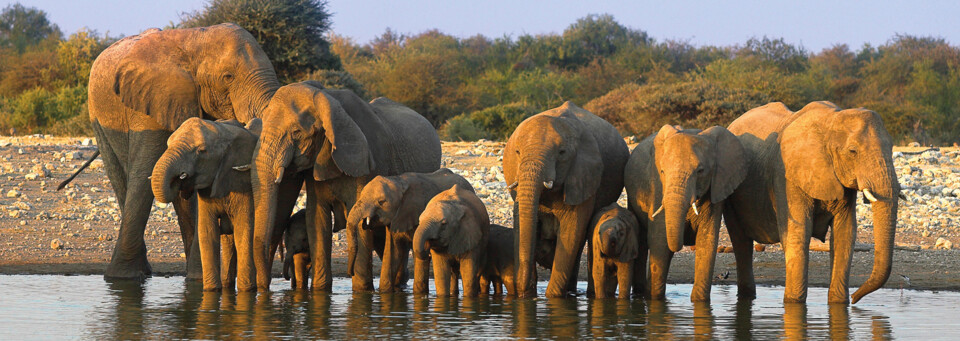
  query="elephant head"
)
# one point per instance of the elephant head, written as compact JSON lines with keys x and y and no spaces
{"x":217,"y":72}
{"x":303,"y":128}
{"x":827,"y":152}
{"x":449,"y":224}
{"x":552,"y":153}
{"x":379,"y":204}
{"x":615,"y":234}
{"x":694,"y":167}
{"x":210,"y":157}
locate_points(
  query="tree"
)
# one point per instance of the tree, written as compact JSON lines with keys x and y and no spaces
{"x":76,"y":54}
{"x":291,"y":32}
{"x":21,"y":27}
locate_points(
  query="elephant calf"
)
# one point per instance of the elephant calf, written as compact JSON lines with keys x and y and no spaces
{"x":616,"y":243}
{"x":454,"y":230}
{"x":396,"y":202}
{"x":213,"y":159}
{"x":500,"y":268}
{"x":296,"y":260}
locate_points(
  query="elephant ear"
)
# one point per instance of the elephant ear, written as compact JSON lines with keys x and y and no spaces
{"x":237,"y":145}
{"x":466,"y":235}
{"x":649,"y":191}
{"x":731,"y":163}
{"x":631,"y":246}
{"x":152,"y":78}
{"x":806,"y":159}
{"x":346,"y":145}
{"x":583,"y":178}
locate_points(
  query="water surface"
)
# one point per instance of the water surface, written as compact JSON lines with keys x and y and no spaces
{"x":86,"y":307}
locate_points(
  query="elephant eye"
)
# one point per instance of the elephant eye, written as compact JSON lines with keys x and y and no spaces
{"x":853,"y":151}
{"x":228,"y":77}
{"x":382,"y":201}
{"x":563,"y":151}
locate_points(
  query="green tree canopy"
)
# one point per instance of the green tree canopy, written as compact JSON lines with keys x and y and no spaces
{"x":21,"y":27}
{"x":291,"y":32}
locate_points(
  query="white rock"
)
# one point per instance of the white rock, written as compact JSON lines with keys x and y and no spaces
{"x":56,"y":244}
{"x":943,"y":243}
{"x":86,"y":142}
{"x":13,"y":193}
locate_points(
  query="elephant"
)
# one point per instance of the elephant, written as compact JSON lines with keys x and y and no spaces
{"x":806,"y":169}
{"x":562,"y":165}
{"x":141,"y":89}
{"x":453,"y":230}
{"x":296,"y":260}
{"x":499,"y":271}
{"x":396,"y":203}
{"x":686,"y":175}
{"x":213,"y":159}
{"x":616,"y":251}
{"x":335,"y":142}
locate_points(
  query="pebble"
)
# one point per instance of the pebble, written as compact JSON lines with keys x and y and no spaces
{"x":13,"y":193}
{"x":56,"y":244}
{"x":943,"y":243}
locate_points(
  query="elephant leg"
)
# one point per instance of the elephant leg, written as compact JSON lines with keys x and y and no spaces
{"x":743,"y":252}
{"x":421,"y":275}
{"x":454,"y":281}
{"x":796,"y":245}
{"x":301,"y":273}
{"x":320,"y":238}
{"x":590,"y":260}
{"x":388,"y":266}
{"x":484,"y":284}
{"x":469,"y":273}
{"x":362,"y":259}
{"x":640,"y":268}
{"x":660,"y":257}
{"x":187,"y":220}
{"x":209,"y":238}
{"x":599,"y":274}
{"x":570,"y":240}
{"x":843,"y":236}
{"x":228,"y":262}
{"x":625,"y":278}
{"x":400,"y":267}
{"x":441,"y":275}
{"x":243,"y":240}
{"x":129,"y":259}
{"x":706,"y":255}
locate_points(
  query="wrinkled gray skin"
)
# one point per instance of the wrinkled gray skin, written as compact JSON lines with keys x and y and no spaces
{"x":141,"y":89}
{"x":453,"y":229}
{"x":396,"y":202}
{"x":296,"y":260}
{"x":500,"y":269}
{"x":616,"y":243}
{"x":805,"y":170}
{"x":213,"y":159}
{"x":562,"y":165}
{"x":336,"y":142}
{"x":668,"y":174}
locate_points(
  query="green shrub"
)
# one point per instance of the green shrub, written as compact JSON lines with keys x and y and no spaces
{"x":500,"y":121}
{"x":462,"y":128}
{"x":335,"y":79}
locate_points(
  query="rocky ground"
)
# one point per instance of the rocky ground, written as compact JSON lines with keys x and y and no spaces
{"x":72,"y":231}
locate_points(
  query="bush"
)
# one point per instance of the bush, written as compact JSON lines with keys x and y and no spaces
{"x":334,"y":79}
{"x":500,"y":121}
{"x":462,"y":128}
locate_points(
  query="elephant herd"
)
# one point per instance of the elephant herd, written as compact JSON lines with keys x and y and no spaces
{"x":198,"y":118}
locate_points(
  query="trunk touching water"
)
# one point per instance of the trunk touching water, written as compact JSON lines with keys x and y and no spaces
{"x":264,"y":174}
{"x":529,"y":188}
{"x":884,"y":229}
{"x":677,"y":198}
{"x":168,"y":168}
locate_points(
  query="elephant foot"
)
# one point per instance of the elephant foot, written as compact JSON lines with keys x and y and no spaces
{"x":746,"y":294}
{"x":787,"y":299}
{"x":137,"y":269}
{"x":839,"y":300}
{"x":361,"y":285}
{"x":699,"y":298}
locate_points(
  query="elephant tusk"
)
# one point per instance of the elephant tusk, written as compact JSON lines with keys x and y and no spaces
{"x":242,"y":168}
{"x":183,"y":175}
{"x":694,"y":205}
{"x":368,"y":221}
{"x":868,"y":195}
{"x":279,"y":176}
{"x":513,"y":185}
{"x":658,"y":211}
{"x":548,"y":184}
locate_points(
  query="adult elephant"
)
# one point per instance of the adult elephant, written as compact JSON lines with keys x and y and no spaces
{"x":686,"y":175}
{"x":562,"y":165}
{"x":336,"y":142}
{"x":805,"y":170}
{"x":141,"y":89}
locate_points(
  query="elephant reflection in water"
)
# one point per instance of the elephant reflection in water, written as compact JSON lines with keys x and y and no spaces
{"x":318,"y":315}
{"x":524,"y":318}
{"x":128,"y":313}
{"x":612,"y":318}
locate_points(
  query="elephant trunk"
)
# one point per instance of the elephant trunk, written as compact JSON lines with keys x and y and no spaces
{"x":264,"y":176}
{"x":423,"y":235}
{"x":166,"y":178}
{"x":608,"y":244}
{"x":678,"y":197}
{"x":884,"y":229}
{"x":355,"y":223}
{"x":530,"y":185}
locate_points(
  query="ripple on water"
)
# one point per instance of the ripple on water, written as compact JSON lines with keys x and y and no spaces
{"x":86,"y":307}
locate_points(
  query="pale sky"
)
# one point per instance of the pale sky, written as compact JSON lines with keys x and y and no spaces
{"x":814,"y":24}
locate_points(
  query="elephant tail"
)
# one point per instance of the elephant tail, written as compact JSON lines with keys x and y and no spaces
{"x":85,"y":164}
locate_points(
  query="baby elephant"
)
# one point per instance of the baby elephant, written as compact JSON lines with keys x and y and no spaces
{"x":213,"y":159}
{"x":453,"y":229}
{"x":500,"y":267}
{"x":296,"y":260}
{"x":616,"y":242}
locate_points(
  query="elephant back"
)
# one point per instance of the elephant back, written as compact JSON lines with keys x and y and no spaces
{"x":411,"y":140}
